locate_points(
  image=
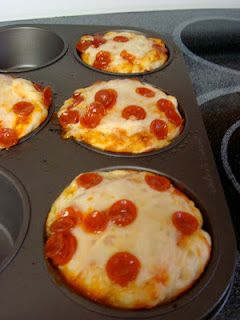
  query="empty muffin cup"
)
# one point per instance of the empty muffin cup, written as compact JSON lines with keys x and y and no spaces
{"x":214,"y":40}
{"x":28,"y":48}
{"x":14,"y":216}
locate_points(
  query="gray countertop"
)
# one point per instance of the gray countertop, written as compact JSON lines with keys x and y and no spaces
{"x":209,"y":80}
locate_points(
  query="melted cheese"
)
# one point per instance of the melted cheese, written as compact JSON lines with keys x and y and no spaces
{"x":146,"y":56}
{"x":170,"y":263}
{"x":16,"y":90}
{"x":114,"y":133}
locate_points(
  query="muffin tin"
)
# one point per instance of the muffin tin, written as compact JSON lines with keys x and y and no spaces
{"x":45,"y":165}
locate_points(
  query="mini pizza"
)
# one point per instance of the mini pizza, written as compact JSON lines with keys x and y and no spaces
{"x":122,"y":52}
{"x":122,"y":115}
{"x":127,"y":239}
{"x":23,"y":107}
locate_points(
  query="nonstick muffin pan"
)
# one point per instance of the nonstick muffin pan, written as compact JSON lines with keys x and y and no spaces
{"x":46,"y":164}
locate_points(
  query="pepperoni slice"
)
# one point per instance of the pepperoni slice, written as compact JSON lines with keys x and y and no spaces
{"x":185,"y":222}
{"x":102,"y":60}
{"x":90,"y":120}
{"x":123,"y":212}
{"x":127,"y":56}
{"x":54,"y":245}
{"x":23,"y":108}
{"x":159,"y":128}
{"x":158,"y":183}
{"x":89,"y":180}
{"x":146,"y":92}
{"x":107,"y":97}
{"x":134,"y":113}
{"x":93,"y":115}
{"x":60,"y":247}
{"x":120,"y":39}
{"x":69,"y":117}
{"x":122,"y":268}
{"x":98,"y":40}
{"x":62,"y":224}
{"x":173,"y":117}
{"x":8,"y":137}
{"x":167,"y":107}
{"x":77,"y":99}
{"x":76,"y":95}
{"x":38,"y":87}
{"x":47,"y":96}
{"x":164,"y":105}
{"x":159,"y":48}
{"x":83,"y":45}
{"x":96,"y":221}
{"x":74,"y":215}
{"x":97,"y":107}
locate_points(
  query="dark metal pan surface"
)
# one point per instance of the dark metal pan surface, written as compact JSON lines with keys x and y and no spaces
{"x":47,"y":163}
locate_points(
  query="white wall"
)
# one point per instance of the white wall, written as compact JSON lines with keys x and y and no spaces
{"x":27,"y":9}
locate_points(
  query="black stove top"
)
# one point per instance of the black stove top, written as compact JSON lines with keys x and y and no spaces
{"x":222,"y":121}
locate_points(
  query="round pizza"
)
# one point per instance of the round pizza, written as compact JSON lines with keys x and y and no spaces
{"x":126,"y":238}
{"x":122,"y":52}
{"x":122,"y":115}
{"x":23,"y":107}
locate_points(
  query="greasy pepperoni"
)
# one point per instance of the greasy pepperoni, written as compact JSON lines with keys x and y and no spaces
{"x":185,"y":222}
{"x":8,"y":137}
{"x":164,"y":105}
{"x":96,"y":221}
{"x":127,"y":56}
{"x":159,"y":128}
{"x":97,"y":107}
{"x":134,"y":112}
{"x":23,"y":108}
{"x":90,"y":120}
{"x":60,"y":247}
{"x":73,"y":214}
{"x":158,"y":183}
{"x":47,"y":96}
{"x":69,"y":117}
{"x":38,"y":87}
{"x":120,"y":39}
{"x":62,"y":224}
{"x":93,"y":115}
{"x":146,"y":92}
{"x":89,"y":180}
{"x":98,"y":40}
{"x":77,"y":99}
{"x":102,"y":60}
{"x":173,"y":117}
{"x":123,"y":212}
{"x":107,"y":97}
{"x":167,"y":107}
{"x":76,"y":95}
{"x":159,"y":48}
{"x":83,"y":45}
{"x":54,"y":245}
{"x":122,"y":268}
